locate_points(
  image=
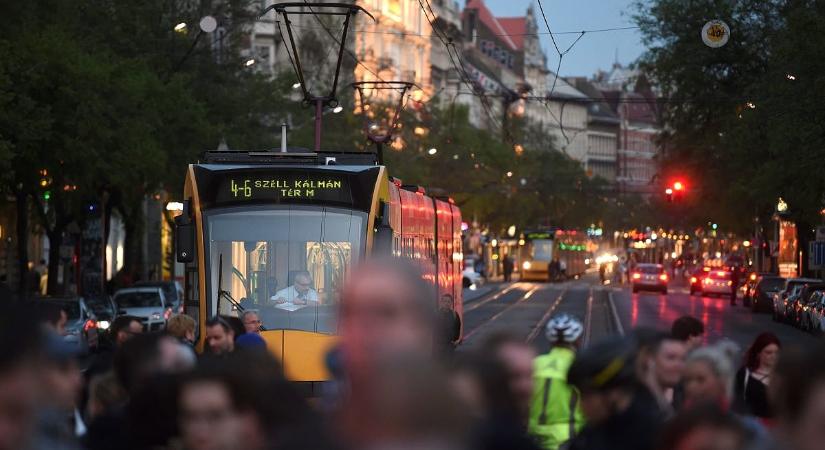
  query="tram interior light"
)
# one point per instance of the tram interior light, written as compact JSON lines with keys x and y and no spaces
{"x":526,"y":265}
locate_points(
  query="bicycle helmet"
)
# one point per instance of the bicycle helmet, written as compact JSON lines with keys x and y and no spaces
{"x":563,"y":329}
{"x":605,"y":365}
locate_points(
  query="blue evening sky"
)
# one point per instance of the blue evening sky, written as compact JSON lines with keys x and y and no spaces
{"x":595,"y":50}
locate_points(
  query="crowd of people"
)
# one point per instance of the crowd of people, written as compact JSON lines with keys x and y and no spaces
{"x":394,"y":387}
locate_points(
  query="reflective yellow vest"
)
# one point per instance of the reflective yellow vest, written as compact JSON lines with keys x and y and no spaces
{"x":555,"y":412}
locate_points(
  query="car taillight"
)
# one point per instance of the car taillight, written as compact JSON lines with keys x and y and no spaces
{"x":730,"y":283}
{"x":753,"y":277}
{"x":637,"y":275}
{"x":692,"y":280}
{"x":706,"y":281}
{"x":89,"y":325}
{"x":663,"y":277}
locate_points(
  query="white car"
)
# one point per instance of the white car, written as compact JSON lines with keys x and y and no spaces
{"x":149,"y":304}
{"x":471,"y":279}
{"x":718,"y":282}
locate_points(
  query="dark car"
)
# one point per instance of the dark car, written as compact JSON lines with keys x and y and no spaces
{"x":763,"y":292}
{"x":793,"y":288}
{"x":696,"y":279}
{"x":799,"y":303}
{"x":749,"y":287}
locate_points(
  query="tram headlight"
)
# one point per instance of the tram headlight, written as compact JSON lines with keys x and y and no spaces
{"x":526,"y":265}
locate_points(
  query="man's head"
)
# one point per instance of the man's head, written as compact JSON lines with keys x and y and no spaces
{"x":60,"y":375}
{"x":124,"y":328}
{"x":689,"y":330}
{"x":251,"y":321}
{"x":147,"y":355}
{"x":386,"y":309}
{"x":798,"y":394}
{"x":516,"y":357}
{"x":303,"y":282}
{"x":220,"y":337}
{"x":182,"y":327}
{"x":52,"y":316}
{"x":605,"y":375}
{"x":661,"y":358}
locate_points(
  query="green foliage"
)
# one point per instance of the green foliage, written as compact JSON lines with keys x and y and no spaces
{"x":742,"y":130}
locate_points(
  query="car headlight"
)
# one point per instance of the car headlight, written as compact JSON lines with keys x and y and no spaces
{"x":156,"y":316}
{"x":526,"y":265}
{"x":103,"y":324}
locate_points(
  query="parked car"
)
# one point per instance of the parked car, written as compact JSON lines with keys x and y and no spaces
{"x":749,"y":286}
{"x":149,"y":304}
{"x":81,"y":324}
{"x":649,"y":277}
{"x":471,"y":279}
{"x":793,"y":287}
{"x":814,"y":314}
{"x":172,"y":292}
{"x":762,"y":297}
{"x":718,"y":282}
{"x":696,"y":279}
{"x":799,"y":304}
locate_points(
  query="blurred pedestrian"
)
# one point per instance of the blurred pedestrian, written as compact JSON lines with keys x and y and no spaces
{"x":555,"y":413}
{"x":220,"y":336}
{"x":689,"y":330}
{"x":182,"y":327}
{"x":220,"y":407}
{"x":799,"y":396}
{"x":620,"y":412}
{"x":734,"y":284}
{"x":449,"y":325}
{"x":386,"y":311}
{"x":52,"y":316}
{"x":59,"y":421}
{"x":754,"y":378}
{"x":250,"y":341}
{"x":20,"y":363}
{"x":105,"y":395}
{"x":508,"y":266}
{"x":709,"y":374}
{"x":661,"y":362}
{"x":251,"y":321}
{"x":516,"y":357}
{"x":704,"y":428}
{"x":501,"y":424}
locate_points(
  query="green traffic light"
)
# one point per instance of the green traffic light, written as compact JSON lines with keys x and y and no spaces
{"x":715,"y":226}
{"x":47,"y":195}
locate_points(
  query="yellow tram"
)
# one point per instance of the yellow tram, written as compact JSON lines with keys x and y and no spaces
{"x":257,"y":224}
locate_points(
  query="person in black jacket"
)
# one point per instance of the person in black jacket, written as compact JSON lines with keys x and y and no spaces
{"x":621,"y":413}
{"x":753,"y":379}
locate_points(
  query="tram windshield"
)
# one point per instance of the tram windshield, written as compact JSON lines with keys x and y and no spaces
{"x":286,"y":262}
{"x":542,"y":250}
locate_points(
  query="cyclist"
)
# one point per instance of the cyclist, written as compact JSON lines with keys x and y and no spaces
{"x":555,"y":413}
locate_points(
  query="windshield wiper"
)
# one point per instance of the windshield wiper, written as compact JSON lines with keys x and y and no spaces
{"x":226,"y":295}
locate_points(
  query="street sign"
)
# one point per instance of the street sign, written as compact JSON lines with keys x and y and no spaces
{"x":816,"y":254}
{"x":715,"y":33}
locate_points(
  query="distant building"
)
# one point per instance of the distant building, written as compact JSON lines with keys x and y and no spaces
{"x":630,"y":96}
{"x":603,"y":132}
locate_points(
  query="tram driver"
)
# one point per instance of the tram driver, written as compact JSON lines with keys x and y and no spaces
{"x":299,"y":294}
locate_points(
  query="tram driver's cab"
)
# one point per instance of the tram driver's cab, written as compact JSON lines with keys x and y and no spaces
{"x":286,"y":262}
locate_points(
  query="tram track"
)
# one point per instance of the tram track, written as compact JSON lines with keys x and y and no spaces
{"x":526,"y":297}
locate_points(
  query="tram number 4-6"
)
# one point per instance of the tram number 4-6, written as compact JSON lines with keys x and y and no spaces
{"x":296,"y":189}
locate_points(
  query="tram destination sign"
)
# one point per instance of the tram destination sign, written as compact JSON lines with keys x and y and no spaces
{"x":284,"y":187}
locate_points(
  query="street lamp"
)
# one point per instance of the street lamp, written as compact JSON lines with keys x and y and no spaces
{"x":432,"y":151}
{"x":181,"y":27}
